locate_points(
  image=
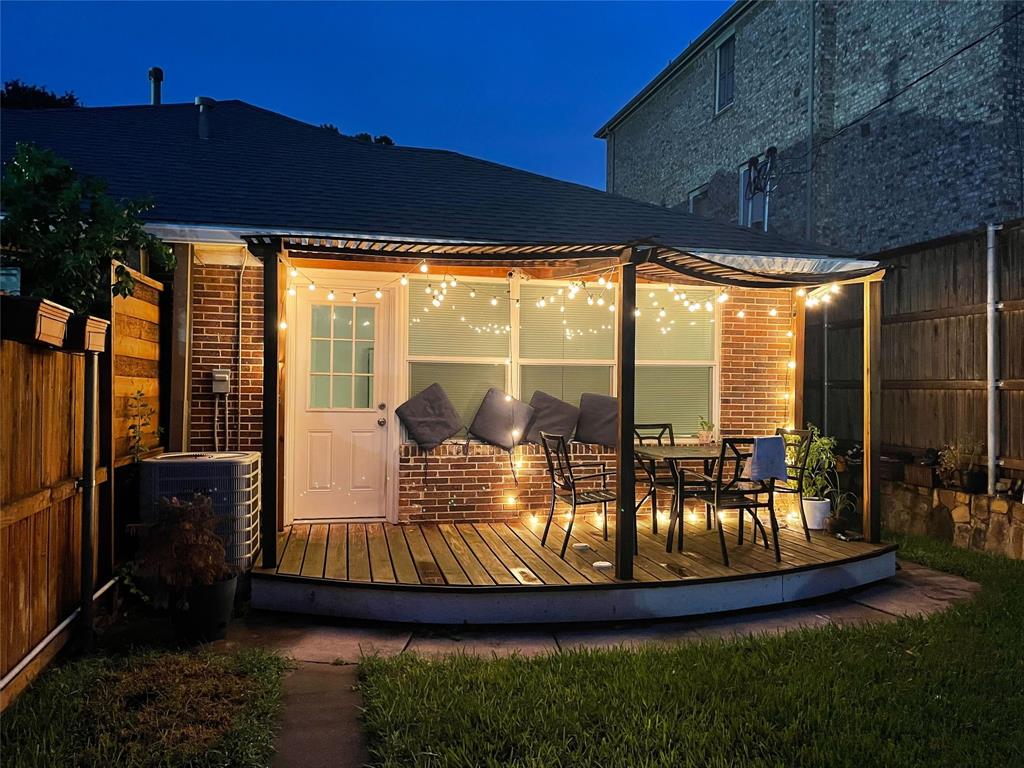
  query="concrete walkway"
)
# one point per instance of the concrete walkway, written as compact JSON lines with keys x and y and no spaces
{"x":321,"y":726}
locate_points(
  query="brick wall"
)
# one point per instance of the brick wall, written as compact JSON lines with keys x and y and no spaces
{"x":215,"y":345}
{"x":877,"y":182}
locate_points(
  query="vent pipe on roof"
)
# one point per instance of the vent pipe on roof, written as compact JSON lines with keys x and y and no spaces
{"x":205,"y":104}
{"x":156,"y":77}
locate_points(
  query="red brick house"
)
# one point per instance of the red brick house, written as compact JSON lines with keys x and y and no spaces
{"x":395,"y":268}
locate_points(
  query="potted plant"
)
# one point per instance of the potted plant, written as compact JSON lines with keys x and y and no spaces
{"x":705,"y":430}
{"x":821,"y":480}
{"x":64,"y":233}
{"x":181,"y":552}
{"x":957,"y":466}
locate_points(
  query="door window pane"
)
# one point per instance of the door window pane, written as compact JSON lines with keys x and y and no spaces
{"x":321,"y":321}
{"x":673,"y":393}
{"x":320,"y":356}
{"x":319,"y":391}
{"x":363,"y":394}
{"x":341,"y":392}
{"x":343,"y":357}
{"x":364,"y":357}
{"x":343,"y":322}
{"x":365,"y":318}
{"x":465,"y":383}
{"x":566,"y":382}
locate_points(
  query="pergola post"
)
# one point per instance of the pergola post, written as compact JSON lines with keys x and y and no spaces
{"x":269,"y":253}
{"x":872,"y":408}
{"x":625,"y":377}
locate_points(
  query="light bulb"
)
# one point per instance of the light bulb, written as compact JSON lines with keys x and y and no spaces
{"x":801,"y":292}
{"x":453,"y":283}
{"x":282,"y":325}
{"x":661,"y":313}
{"x":291,"y":291}
{"x":650,"y":295}
{"x":377,"y":294}
{"x":590,"y":300}
{"x":723,"y":297}
{"x":424,"y":268}
{"x":494,"y":301}
{"x":515,"y":433}
{"x":508,"y":398}
{"x":834,"y":288}
{"x":312,"y":286}
{"x":773,"y":312}
{"x":791,"y":364}
{"x":636,"y":313}
{"x":741,"y":314}
{"x":429,"y":289}
{"x":686,"y":302}
{"x":600,"y":301}
{"x":444,"y":285}
{"x":541,"y":303}
{"x":354,"y":298}
{"x":789,"y":334}
{"x":827,"y":298}
{"x":330,"y":295}
{"x":436,"y":303}
{"x":294,"y":272}
{"x":709,"y":306}
{"x":403,"y":280}
{"x":611,"y":307}
{"x":601,"y":280}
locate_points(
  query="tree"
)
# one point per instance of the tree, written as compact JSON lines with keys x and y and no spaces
{"x":64,"y":231}
{"x":19,"y":95}
{"x":366,"y":138}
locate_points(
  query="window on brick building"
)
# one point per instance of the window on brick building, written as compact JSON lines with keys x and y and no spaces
{"x":697,"y":202}
{"x":725,"y":73}
{"x":564,"y":346}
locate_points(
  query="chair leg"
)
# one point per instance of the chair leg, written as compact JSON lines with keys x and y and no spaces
{"x":681,"y":519}
{"x":775,"y":531}
{"x":759,"y":525}
{"x":654,"y":509}
{"x":721,"y":541}
{"x":604,"y":507}
{"x":707,"y":514}
{"x":568,"y":531}
{"x":803,"y":517}
{"x":551,"y":514}
{"x":739,"y":519}
{"x":673,"y":518}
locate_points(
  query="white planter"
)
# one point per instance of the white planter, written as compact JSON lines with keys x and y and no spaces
{"x":817,"y":511}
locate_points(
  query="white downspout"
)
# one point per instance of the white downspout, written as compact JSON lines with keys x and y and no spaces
{"x":992,"y":355}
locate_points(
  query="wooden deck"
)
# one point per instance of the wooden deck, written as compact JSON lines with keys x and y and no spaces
{"x":484,"y":559}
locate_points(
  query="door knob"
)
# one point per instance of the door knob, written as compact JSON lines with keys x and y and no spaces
{"x":381,"y":421}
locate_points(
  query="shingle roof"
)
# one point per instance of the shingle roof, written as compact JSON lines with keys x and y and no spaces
{"x":259,"y":169}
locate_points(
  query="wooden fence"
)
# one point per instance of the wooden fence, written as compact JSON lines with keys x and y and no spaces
{"x":933,"y":349}
{"x":41,"y":446}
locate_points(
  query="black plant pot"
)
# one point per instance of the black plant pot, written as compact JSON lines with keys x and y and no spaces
{"x":205,"y":612}
{"x":974,"y":480}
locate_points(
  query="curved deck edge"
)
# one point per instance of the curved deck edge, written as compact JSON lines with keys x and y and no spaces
{"x":539,"y":605}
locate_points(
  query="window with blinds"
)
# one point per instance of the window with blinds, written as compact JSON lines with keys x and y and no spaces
{"x":677,"y":394}
{"x":564,"y":328}
{"x":566,"y":382}
{"x":666,"y":329}
{"x":462,"y":325}
{"x":464,"y":383}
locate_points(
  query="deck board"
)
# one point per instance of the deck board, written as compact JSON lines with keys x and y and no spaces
{"x":336,"y":565}
{"x":509,"y":554}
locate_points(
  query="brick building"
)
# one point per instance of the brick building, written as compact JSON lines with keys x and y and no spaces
{"x":895,"y":122}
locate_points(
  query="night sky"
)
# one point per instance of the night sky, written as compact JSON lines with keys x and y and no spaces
{"x":521,"y":84}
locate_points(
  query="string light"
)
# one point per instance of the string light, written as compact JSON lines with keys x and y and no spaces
{"x":291,"y":290}
{"x":294,"y":272}
{"x":741,"y":314}
{"x":403,"y":280}
{"x":424,"y":268}
{"x":330,"y":295}
{"x":494,"y":301}
{"x":354,"y":298}
{"x":773,"y":312}
{"x":312,"y":286}
{"x":801,"y":292}
{"x":283,"y":325}
{"x":378,"y":293}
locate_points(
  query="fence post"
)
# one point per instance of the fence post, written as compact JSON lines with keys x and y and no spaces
{"x":88,"y":586}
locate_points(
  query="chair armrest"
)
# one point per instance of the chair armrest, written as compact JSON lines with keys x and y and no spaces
{"x":593,"y":475}
{"x":602,"y":464}
{"x":699,"y":476}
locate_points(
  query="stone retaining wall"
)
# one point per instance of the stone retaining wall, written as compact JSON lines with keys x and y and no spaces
{"x":971,"y":521}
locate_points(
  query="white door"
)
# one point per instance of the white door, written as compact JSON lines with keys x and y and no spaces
{"x":341,"y":432}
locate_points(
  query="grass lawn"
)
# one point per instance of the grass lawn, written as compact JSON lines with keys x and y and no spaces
{"x":165,"y":709}
{"x":941,"y":691}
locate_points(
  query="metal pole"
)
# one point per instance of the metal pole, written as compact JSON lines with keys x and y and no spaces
{"x":625,"y":518}
{"x":824,"y":369}
{"x":992,"y":355}
{"x":89,"y":498}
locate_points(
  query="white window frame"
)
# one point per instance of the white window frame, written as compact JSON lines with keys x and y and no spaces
{"x":725,"y":38}
{"x":763,"y":222}
{"x":514,"y":363}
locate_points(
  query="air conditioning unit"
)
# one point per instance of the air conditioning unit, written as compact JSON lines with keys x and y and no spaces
{"x":230,"y":479}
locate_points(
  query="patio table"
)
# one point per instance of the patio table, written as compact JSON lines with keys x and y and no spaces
{"x":672,"y":454}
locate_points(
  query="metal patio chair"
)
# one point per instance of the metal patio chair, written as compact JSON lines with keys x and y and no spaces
{"x":798,"y":450}
{"x":730,"y":490}
{"x":565,"y":484}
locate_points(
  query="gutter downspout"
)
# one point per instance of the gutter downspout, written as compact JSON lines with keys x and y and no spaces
{"x":992,"y":356}
{"x":238,"y":368}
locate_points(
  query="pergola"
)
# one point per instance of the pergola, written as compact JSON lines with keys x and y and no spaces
{"x":647,"y":259}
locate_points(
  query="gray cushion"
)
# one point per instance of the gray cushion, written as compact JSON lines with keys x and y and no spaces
{"x":599,"y":420}
{"x":429,"y":417}
{"x":551,"y":415}
{"x":501,"y":420}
